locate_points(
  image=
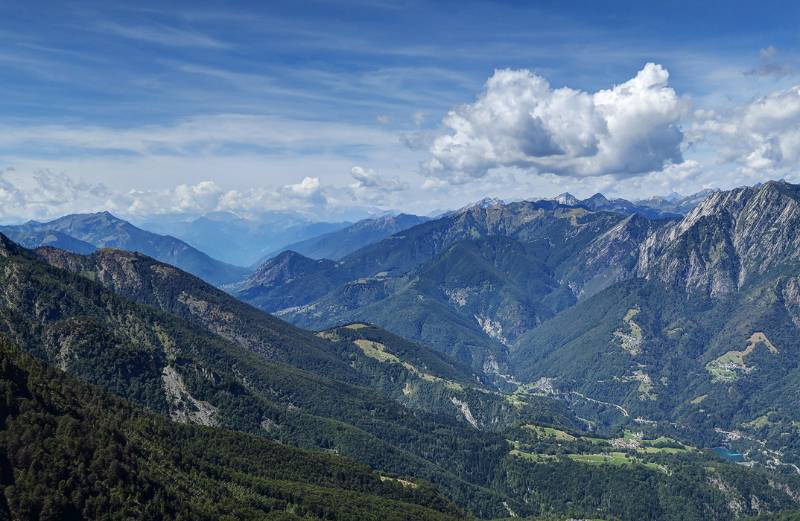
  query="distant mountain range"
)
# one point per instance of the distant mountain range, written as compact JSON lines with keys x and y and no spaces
{"x":442,"y":282}
{"x":666,"y":207}
{"x":83,"y":233}
{"x":526,"y":260}
{"x":338,"y":244}
{"x":237,"y":240}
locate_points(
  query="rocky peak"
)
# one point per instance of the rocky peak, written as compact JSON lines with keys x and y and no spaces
{"x":596,"y":202}
{"x":726,"y":239}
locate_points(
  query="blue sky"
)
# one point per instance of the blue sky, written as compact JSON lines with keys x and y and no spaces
{"x":335,"y":108}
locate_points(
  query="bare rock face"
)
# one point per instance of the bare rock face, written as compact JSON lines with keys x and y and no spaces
{"x":610,"y":258}
{"x":727,"y":240}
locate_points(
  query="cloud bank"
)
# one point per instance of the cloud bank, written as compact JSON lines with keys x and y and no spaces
{"x":45,"y":195}
{"x":520,"y":121}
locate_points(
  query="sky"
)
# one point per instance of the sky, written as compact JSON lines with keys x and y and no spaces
{"x":344,"y":109}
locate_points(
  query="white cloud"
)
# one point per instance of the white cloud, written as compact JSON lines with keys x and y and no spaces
{"x":163,"y":35}
{"x":368,"y":178}
{"x":520,"y":121}
{"x":307,"y":189}
{"x":761,"y":137}
{"x":45,"y":195}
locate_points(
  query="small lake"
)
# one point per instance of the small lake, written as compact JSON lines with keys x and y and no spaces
{"x":728,"y":454}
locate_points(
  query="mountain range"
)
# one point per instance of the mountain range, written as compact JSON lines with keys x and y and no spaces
{"x":689,"y":322}
{"x":169,"y":342}
{"x":559,"y":358}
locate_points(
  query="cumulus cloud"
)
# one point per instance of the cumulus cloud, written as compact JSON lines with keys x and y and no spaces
{"x":762,"y":136}
{"x":308,"y":188}
{"x":520,"y":121}
{"x":368,"y":178}
{"x":43,"y":194}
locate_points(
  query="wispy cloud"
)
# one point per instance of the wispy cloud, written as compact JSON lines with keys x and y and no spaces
{"x":194,"y":136}
{"x":163,"y":35}
{"x":771,"y":65}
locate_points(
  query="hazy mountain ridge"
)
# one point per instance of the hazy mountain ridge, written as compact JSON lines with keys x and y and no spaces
{"x":581,"y":249}
{"x":103,"y":230}
{"x":659,"y":207}
{"x":238,"y":240}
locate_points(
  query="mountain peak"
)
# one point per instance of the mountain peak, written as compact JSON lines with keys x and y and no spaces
{"x":597,"y":198}
{"x":486,"y":202}
{"x":566,"y":199}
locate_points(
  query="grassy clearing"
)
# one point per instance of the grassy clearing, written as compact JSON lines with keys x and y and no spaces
{"x":530,"y":456}
{"x":405,"y":483}
{"x":378,"y":351}
{"x":761,"y":421}
{"x":699,"y":399}
{"x":356,"y":326}
{"x":550,"y":432}
{"x":606,"y":458}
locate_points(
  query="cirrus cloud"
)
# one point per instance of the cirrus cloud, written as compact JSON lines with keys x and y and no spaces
{"x":520,"y":121}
